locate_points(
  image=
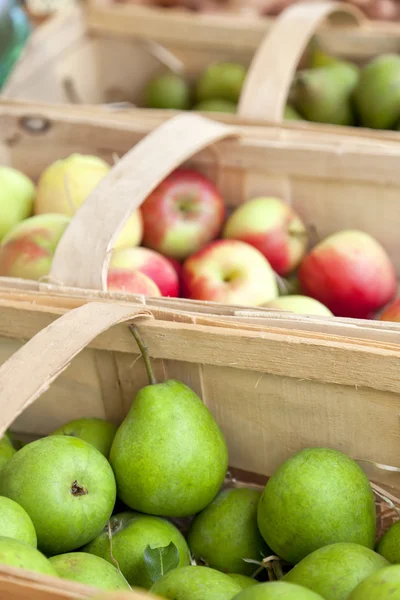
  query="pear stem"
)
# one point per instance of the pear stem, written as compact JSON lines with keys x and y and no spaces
{"x":145,"y":354}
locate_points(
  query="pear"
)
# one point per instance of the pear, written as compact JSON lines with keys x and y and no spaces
{"x":196,"y":583}
{"x":278,"y":590}
{"x":318,"y":58}
{"x":14,"y":553}
{"x":89,"y":569}
{"x":380,"y":585}
{"x":377,"y":95}
{"x":291,"y":114}
{"x":67,"y":488}
{"x":7,"y":451}
{"x":131,"y":534}
{"x":226,"y":532}
{"x":324,"y":95}
{"x":389,"y":544}
{"x":334,"y":571}
{"x":216,"y":105}
{"x":243,"y":580}
{"x":16,"y":523}
{"x":317,"y":497}
{"x":222,"y":80}
{"x":167,"y":91}
{"x":169,"y":455}
{"x":97,"y":432}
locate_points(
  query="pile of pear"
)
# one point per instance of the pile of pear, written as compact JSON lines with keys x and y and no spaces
{"x":328,"y":90}
{"x":147,"y":505}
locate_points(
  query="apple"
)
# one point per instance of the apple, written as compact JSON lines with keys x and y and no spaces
{"x":17,"y":193}
{"x":301,"y":305}
{"x":182,"y":214}
{"x":98,"y":432}
{"x":66,"y":184}
{"x":14,"y":553}
{"x":273,"y":227}
{"x":350,"y":273}
{"x":391,"y":312}
{"x":7,"y":451}
{"x":231,"y":272}
{"x":150,"y":263}
{"x":89,"y":569}
{"x":131,"y":282}
{"x":27,"y":250}
{"x":15,"y":522}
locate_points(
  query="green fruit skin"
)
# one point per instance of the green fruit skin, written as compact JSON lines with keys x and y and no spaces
{"x":169,"y":455}
{"x":14,"y":553}
{"x":168,"y":92}
{"x":132,"y":532}
{"x":377,"y":96}
{"x":40,"y":478}
{"x":324,"y":95}
{"x":226,"y":532}
{"x":317,"y":497}
{"x":389,"y":544}
{"x":291,"y":114}
{"x":381,"y":585}
{"x":221,"y":80}
{"x":216,"y":105}
{"x":16,"y":523}
{"x":7,"y":451}
{"x":334,"y":571}
{"x":97,"y":432}
{"x":243,"y":580}
{"x":196,"y":583}
{"x":88,"y":569}
{"x":17,"y":193}
{"x":278,"y":590}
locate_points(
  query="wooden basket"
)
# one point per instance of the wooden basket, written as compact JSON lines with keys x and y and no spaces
{"x":107,"y":53}
{"x":272,"y":391}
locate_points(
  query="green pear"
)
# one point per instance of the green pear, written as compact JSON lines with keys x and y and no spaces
{"x":324,"y":95}
{"x":7,"y":451}
{"x":222,"y":80}
{"x":377,"y":95}
{"x":131,"y":534}
{"x":291,"y":114}
{"x":243,"y":580}
{"x":389,"y":544}
{"x":17,"y":194}
{"x":334,"y":571}
{"x":196,"y":583}
{"x":216,"y":105}
{"x":168,"y":91}
{"x":318,"y":58}
{"x":89,"y":569}
{"x":278,"y":590}
{"x":16,"y":523}
{"x":317,"y":497}
{"x":14,"y":553}
{"x":97,"y":432}
{"x":226,"y":532}
{"x":380,"y":585}
{"x":67,"y":488}
{"x":169,"y":455}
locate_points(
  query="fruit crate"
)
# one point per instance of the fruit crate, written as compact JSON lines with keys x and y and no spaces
{"x":72,"y":58}
{"x":303,"y":389}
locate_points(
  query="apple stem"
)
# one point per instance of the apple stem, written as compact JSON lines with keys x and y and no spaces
{"x":145,"y":354}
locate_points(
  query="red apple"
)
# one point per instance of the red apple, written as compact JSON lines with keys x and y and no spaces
{"x":182,"y":214}
{"x":392,"y":312}
{"x":350,"y":273}
{"x":231,"y":272}
{"x":149,"y":262}
{"x":273,"y":227}
{"x":131,"y":282}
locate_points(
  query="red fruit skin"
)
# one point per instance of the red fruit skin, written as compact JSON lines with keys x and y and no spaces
{"x":274,"y":246}
{"x":133,"y":282}
{"x":161,"y":214}
{"x":392,"y":312}
{"x":161,"y":271}
{"x":352,"y":276}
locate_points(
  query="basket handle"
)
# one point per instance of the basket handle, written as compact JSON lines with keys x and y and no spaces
{"x":49,"y":353}
{"x":271,"y":72}
{"x":83,"y":253}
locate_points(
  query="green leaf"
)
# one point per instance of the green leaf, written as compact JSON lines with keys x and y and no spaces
{"x":160,"y":560}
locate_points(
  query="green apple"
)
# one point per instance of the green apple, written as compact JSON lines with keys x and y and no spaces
{"x":222,"y":80}
{"x":17,"y":194}
{"x":16,"y":523}
{"x":301,"y":305}
{"x":14,"y":553}
{"x":90,"y":570}
{"x":97,"y":432}
{"x":169,"y":92}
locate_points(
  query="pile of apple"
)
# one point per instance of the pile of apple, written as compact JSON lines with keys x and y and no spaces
{"x":100,"y":505}
{"x":192,"y":248}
